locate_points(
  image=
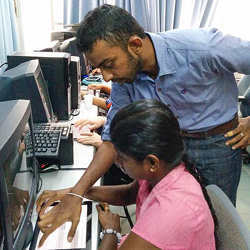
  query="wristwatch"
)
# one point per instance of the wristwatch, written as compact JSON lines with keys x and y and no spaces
{"x":111,"y":231}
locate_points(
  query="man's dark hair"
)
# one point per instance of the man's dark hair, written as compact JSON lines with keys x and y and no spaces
{"x":109,"y":23}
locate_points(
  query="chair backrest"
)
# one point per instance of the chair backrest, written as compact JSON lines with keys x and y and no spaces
{"x":232,"y":233}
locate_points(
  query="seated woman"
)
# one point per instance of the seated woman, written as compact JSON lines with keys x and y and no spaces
{"x":173,"y":210}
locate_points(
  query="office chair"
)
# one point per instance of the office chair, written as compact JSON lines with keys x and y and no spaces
{"x":232,"y":233}
{"x":244,"y":108}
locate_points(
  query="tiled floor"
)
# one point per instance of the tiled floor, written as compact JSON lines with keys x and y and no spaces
{"x":243,"y":195}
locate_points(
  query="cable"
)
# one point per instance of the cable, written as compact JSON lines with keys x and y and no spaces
{"x":3,"y":64}
{"x":128,"y":216}
{"x":75,"y":112}
{"x":40,"y":183}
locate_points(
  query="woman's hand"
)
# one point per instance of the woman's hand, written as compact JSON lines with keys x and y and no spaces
{"x":241,"y":134}
{"x":68,"y":209}
{"x":107,"y":218}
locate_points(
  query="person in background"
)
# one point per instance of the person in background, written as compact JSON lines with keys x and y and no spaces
{"x":104,"y":103}
{"x":191,"y":71}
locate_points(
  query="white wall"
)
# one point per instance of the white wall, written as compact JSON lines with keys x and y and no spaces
{"x":35,"y":20}
{"x":233,"y":16}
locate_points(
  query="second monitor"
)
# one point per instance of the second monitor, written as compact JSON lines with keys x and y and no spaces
{"x":55,"y":67}
{"x":26,"y":81}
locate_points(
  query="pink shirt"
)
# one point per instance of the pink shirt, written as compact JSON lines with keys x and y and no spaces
{"x":174,"y":215}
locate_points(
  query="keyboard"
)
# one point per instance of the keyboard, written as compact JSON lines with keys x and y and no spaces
{"x":47,"y":143}
{"x":63,"y":127}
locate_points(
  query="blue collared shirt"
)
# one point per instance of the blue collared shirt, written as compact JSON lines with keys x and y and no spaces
{"x":195,"y":78}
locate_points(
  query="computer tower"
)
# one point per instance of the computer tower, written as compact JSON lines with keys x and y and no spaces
{"x":75,"y":80}
{"x":55,"y":68}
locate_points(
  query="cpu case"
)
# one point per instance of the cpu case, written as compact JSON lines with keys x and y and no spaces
{"x":55,"y":67}
{"x":75,"y":80}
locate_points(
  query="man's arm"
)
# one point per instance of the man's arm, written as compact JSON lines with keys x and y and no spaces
{"x":69,"y":207}
{"x":103,"y":159}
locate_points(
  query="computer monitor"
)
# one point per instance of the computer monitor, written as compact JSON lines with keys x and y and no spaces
{"x":26,"y":81}
{"x":18,"y":176}
{"x":50,"y":47}
{"x":62,"y":35}
{"x":69,"y":46}
{"x":55,"y":68}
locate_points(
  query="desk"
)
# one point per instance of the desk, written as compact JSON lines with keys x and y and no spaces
{"x":69,"y":175}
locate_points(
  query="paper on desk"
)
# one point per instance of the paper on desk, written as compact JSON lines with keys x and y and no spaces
{"x":77,"y":132}
{"x":58,"y":239}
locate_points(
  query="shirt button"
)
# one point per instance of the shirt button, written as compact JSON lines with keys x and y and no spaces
{"x":183,"y":91}
{"x":159,"y":89}
{"x":177,"y":117}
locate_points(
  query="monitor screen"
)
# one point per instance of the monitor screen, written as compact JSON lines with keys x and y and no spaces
{"x":26,"y":81}
{"x":18,"y":175}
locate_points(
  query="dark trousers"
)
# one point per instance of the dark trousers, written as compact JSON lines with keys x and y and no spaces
{"x":218,"y":164}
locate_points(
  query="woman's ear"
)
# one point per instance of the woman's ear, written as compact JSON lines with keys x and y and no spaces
{"x":151,"y":163}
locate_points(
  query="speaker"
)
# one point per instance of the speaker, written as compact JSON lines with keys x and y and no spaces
{"x":75,"y":80}
{"x":55,"y":68}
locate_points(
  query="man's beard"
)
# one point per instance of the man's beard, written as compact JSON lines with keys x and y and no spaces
{"x":135,"y":66}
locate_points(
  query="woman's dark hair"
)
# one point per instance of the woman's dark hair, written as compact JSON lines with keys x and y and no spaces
{"x":149,"y":127}
{"x":109,"y":23}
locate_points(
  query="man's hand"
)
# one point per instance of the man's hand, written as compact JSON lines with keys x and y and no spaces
{"x":241,"y":134}
{"x":93,"y":123}
{"x":107,"y":218}
{"x":90,"y":139}
{"x":68,"y":209}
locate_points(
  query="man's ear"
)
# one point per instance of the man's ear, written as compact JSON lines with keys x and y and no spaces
{"x":151,"y":163}
{"x":135,"y":44}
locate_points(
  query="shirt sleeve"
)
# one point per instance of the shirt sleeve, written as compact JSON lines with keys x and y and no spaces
{"x":119,"y":98}
{"x":228,"y":52}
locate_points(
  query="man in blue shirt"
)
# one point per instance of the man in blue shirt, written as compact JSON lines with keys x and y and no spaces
{"x":192,"y":71}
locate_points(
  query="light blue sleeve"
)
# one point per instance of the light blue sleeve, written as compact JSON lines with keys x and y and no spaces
{"x":229,"y":53}
{"x":119,"y":97}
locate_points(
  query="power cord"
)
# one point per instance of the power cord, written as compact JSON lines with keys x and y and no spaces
{"x":3,"y":64}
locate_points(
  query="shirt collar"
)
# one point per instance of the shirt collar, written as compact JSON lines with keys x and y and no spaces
{"x":170,"y":178}
{"x":164,"y":59}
